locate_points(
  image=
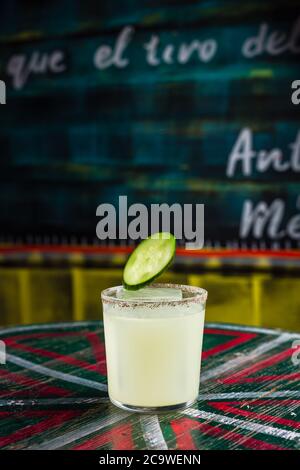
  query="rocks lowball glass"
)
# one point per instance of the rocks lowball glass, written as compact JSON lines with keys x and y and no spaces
{"x":153,"y":346}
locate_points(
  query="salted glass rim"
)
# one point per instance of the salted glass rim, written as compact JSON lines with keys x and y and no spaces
{"x":195,"y":295}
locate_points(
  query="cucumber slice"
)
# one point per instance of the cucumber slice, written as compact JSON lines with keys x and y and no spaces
{"x":149,"y":259}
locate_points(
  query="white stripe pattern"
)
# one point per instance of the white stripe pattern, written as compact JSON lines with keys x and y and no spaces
{"x":250,"y":329}
{"x":152,"y":433}
{"x":246,"y":357}
{"x":239,"y":423}
{"x":241,"y":395}
{"x":55,"y":373}
{"x":53,"y":326}
{"x":83,"y":431}
{"x":52,"y":402}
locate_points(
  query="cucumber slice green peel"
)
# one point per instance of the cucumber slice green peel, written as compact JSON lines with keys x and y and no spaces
{"x":149,"y":259}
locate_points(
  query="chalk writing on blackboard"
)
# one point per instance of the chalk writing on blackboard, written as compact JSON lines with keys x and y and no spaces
{"x":296,"y":94}
{"x":182,"y":54}
{"x":106,"y":56}
{"x":21,"y":66}
{"x":2,"y":92}
{"x":244,"y":155}
{"x":272,"y":42}
{"x":267,"y":40}
{"x":267,"y":219}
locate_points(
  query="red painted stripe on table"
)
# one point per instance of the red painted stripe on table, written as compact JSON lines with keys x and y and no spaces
{"x":263,"y":364}
{"x":119,"y":438}
{"x":37,"y":428}
{"x":98,"y":348}
{"x":66,"y":359}
{"x":30,"y":383}
{"x":40,"y":335}
{"x":115,"y":250}
{"x":29,"y":412}
{"x":223,"y":406}
{"x":184,"y":426}
{"x":243,"y":338}
{"x":26,"y":393}
{"x":267,"y":378}
{"x":93,"y":338}
{"x":221,"y":332}
{"x":261,"y":401}
{"x":267,"y":401}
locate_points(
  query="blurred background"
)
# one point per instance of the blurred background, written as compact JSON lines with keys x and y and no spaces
{"x":163,"y":101}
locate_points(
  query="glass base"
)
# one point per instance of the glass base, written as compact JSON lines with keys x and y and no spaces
{"x":153,"y":409}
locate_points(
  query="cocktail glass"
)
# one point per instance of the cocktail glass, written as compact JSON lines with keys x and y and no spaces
{"x":153,"y":348}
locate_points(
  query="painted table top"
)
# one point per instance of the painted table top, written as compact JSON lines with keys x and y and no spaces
{"x":53,"y":393}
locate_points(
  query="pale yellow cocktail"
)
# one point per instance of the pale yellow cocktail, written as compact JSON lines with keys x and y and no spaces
{"x":153,"y":347}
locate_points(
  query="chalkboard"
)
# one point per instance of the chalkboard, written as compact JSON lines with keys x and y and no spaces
{"x":162,"y":101}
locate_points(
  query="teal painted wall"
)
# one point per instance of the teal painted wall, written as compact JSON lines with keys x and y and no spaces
{"x":73,"y":135}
